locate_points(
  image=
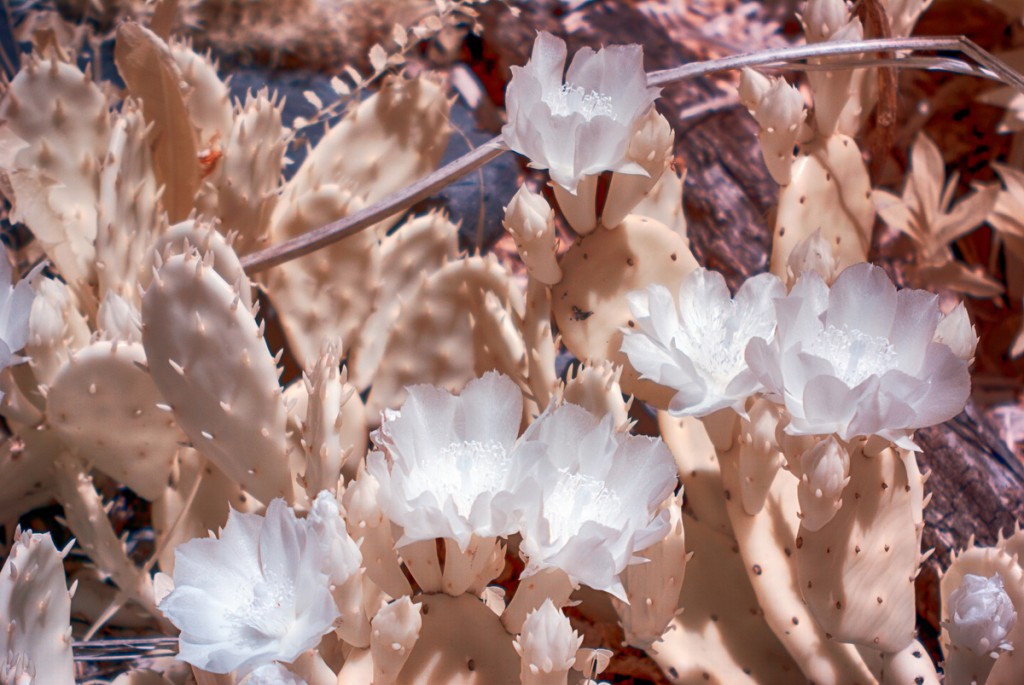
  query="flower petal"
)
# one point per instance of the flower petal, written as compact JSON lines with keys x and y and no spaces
{"x":863,"y":298}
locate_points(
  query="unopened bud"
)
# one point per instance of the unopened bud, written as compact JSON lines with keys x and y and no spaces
{"x":547,"y":646}
{"x":981,"y":615}
{"x":813,"y":253}
{"x":653,"y":586}
{"x":394,"y":631}
{"x":824,"y":473}
{"x":651,"y":148}
{"x":531,"y":221}
{"x":822,"y":18}
{"x":834,"y":99}
{"x":780,"y":114}
{"x":118,"y":319}
{"x":956,"y":332}
{"x":753,"y":87}
{"x":361,"y":503}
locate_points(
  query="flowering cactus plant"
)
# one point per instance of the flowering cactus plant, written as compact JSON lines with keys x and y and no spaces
{"x":727,"y":484}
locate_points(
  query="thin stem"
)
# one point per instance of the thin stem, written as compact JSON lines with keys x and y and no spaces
{"x":946,"y":64}
{"x":354,"y":223}
{"x":800,"y":52}
{"x":427,"y":186}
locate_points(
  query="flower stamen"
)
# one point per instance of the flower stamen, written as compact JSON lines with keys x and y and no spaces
{"x":854,"y":355}
{"x":570,"y":99}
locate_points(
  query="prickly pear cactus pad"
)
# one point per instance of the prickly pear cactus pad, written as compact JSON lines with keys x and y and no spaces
{"x":511,"y":342}
{"x":590,"y":303}
{"x":216,"y":386}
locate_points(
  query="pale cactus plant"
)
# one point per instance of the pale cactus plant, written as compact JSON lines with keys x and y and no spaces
{"x":434,"y":501}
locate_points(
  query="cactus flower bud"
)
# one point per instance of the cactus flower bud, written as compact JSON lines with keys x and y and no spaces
{"x":780,"y":115}
{"x":653,"y":587}
{"x":753,"y":87}
{"x":955,"y":330}
{"x":825,"y":472}
{"x":822,"y":18}
{"x":366,"y":523}
{"x":341,"y":554}
{"x":531,"y":221}
{"x":396,"y":627}
{"x":830,"y":20}
{"x":118,"y":319}
{"x":982,"y":615}
{"x":46,"y":323}
{"x":15,"y":305}
{"x":651,"y":147}
{"x":547,"y":645}
{"x":813,"y":253}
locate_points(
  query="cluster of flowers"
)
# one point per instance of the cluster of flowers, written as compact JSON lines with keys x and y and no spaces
{"x":857,"y":358}
{"x":584,"y":496}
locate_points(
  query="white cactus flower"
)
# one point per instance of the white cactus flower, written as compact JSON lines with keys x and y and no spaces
{"x":15,"y":307}
{"x":582,"y":124}
{"x":258,"y":594}
{"x":859,"y":359}
{"x":446,"y":468}
{"x":697,"y":347}
{"x":342,"y":557}
{"x":272,"y":674}
{"x":594,"y":500}
{"x":981,"y":615}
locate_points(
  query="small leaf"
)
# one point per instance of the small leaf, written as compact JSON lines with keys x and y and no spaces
{"x":357,"y":78}
{"x":339,"y":86}
{"x":400,"y":36}
{"x":378,"y":58}
{"x":313,"y":99}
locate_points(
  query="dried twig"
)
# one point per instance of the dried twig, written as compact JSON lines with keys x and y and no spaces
{"x":128,"y":649}
{"x":988,"y":66}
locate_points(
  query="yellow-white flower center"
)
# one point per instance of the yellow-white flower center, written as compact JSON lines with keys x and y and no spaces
{"x":576,"y":499}
{"x":570,"y":99}
{"x":854,"y":355}
{"x":465,"y":470}
{"x":717,"y":348}
{"x":270,"y":607}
